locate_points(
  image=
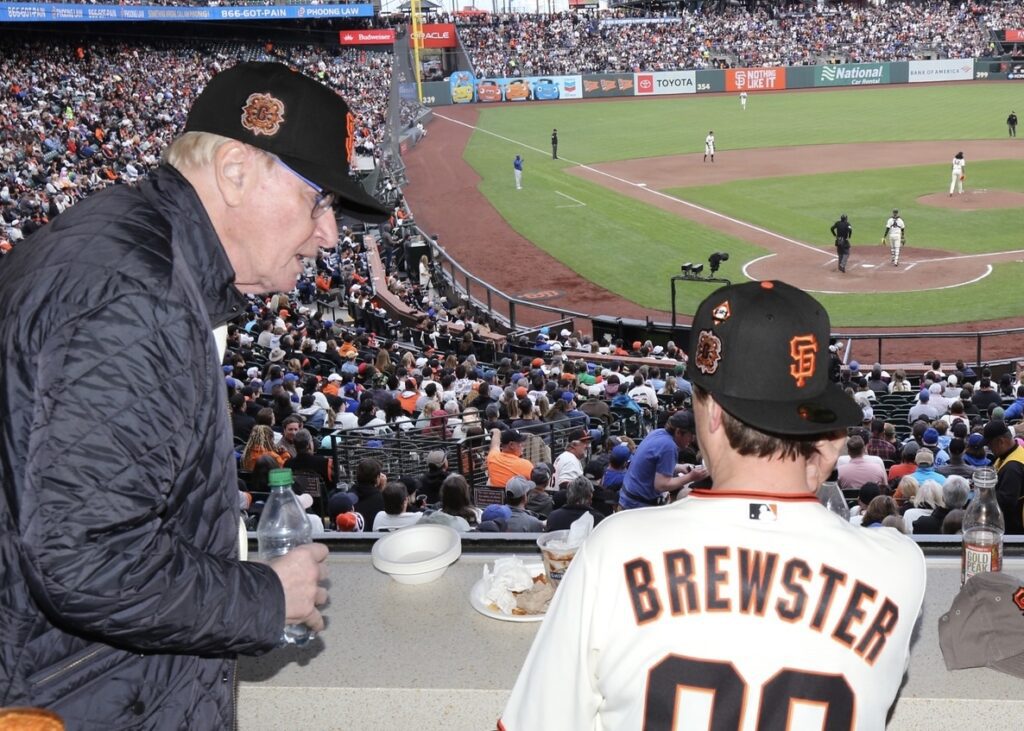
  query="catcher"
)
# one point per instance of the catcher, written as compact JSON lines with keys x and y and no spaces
{"x":958,"y":174}
{"x":842,"y":230}
{"x":896,"y":235}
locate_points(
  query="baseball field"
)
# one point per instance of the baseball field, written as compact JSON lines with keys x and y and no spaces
{"x":630,"y":198}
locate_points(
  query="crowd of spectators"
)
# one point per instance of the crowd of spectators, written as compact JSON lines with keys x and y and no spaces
{"x":910,"y":467}
{"x":185,"y":3}
{"x":568,"y":43}
{"x":76,"y":117}
{"x":539,"y":423}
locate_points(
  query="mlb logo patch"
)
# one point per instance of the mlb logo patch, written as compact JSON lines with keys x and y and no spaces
{"x":764,"y":511}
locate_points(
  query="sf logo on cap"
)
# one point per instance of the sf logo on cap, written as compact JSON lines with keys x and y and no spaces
{"x":803,"y":350}
{"x":262,"y":114}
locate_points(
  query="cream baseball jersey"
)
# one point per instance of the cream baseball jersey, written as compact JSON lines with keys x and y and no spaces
{"x":725,"y":611}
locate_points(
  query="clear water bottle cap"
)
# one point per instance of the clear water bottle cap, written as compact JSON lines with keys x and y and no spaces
{"x":984,"y":477}
{"x":279,"y":477}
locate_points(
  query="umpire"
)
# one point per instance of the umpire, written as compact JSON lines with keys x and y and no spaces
{"x":842,"y":230}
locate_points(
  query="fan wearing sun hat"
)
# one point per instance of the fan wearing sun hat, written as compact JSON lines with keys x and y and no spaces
{"x":674,"y":595}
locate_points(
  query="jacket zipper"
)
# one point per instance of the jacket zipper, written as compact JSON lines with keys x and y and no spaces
{"x":70,"y":666}
{"x":234,"y":694}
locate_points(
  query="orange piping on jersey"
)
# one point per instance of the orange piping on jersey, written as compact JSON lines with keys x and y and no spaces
{"x":501,"y":726}
{"x":759,"y":496}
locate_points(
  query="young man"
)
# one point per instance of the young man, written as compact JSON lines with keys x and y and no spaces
{"x":121,"y":557}
{"x":517,"y":171}
{"x":751,"y":596}
{"x":709,"y":146}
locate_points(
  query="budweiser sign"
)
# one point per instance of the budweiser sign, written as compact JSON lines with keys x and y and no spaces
{"x":366,"y":37}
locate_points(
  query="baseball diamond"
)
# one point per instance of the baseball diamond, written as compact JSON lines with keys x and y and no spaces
{"x":930,"y":266}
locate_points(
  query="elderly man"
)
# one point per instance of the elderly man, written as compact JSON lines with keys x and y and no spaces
{"x":675,"y":597}
{"x":1009,"y":464}
{"x":141,"y":590}
{"x":569,"y":464}
{"x":578,"y":498}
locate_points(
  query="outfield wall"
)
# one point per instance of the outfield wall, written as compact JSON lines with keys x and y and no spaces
{"x":463,"y":87}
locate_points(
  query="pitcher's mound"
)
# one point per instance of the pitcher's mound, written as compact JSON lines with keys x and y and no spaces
{"x":975,"y":200}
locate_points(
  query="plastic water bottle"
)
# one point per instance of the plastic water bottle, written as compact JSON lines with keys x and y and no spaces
{"x":832,"y":498}
{"x":983,"y":528}
{"x":283,"y":526}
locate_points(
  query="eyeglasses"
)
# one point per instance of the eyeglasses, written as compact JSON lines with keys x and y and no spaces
{"x":324,"y":199}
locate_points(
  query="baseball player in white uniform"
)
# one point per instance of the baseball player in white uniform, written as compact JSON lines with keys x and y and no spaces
{"x":750,"y":605}
{"x":743,"y":100}
{"x":958,"y":175}
{"x":896,"y":235}
{"x":709,"y":146}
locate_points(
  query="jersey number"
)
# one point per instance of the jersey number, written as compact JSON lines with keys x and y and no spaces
{"x":729,"y":691}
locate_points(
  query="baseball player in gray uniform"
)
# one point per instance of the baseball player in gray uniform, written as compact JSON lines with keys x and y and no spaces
{"x":896,"y":235}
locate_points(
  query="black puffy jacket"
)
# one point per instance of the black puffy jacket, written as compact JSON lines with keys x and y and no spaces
{"x":122,"y":601}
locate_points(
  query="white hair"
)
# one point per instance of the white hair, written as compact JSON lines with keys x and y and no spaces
{"x":930,"y":493}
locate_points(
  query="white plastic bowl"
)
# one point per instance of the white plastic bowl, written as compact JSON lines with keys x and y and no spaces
{"x":418,"y":554}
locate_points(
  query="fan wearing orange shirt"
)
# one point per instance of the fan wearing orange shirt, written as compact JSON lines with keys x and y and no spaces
{"x":505,"y":458}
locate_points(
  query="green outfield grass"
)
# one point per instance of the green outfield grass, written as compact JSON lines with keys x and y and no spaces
{"x":811,"y":203}
{"x":621,"y":130}
{"x":632,"y":248}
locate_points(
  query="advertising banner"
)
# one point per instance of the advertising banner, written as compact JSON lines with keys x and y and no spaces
{"x":756,"y":79}
{"x":604,"y":85}
{"x":665,"y":82}
{"x":435,"y":93}
{"x":1014,"y":35}
{"x":851,"y":74}
{"x":366,"y":37}
{"x":81,"y":13}
{"x":529,"y":88}
{"x":1015,"y":71}
{"x":709,"y":80}
{"x":462,"y":87}
{"x":437,"y":35}
{"x":944,"y":69}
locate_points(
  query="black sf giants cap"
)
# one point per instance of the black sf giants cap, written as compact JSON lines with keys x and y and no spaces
{"x":307,"y":125}
{"x":761,"y":348}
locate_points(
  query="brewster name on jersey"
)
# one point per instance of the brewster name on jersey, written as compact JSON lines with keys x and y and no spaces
{"x":751,"y":582}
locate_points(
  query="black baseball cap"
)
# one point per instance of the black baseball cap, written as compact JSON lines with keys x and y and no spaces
{"x":512,"y":435}
{"x":761,"y":349}
{"x":995,"y":429}
{"x":306,"y":124}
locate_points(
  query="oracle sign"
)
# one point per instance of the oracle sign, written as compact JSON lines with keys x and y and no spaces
{"x":665,"y":82}
{"x":758,"y":79}
{"x":366,"y":37}
{"x":436,"y":35}
{"x":1014,"y":35}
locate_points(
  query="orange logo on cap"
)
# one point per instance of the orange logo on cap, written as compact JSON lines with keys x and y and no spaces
{"x":350,"y":135}
{"x":721,"y":313}
{"x":263,"y":114}
{"x":802,"y":349}
{"x":1018,"y":598}
{"x":709,"y":352}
